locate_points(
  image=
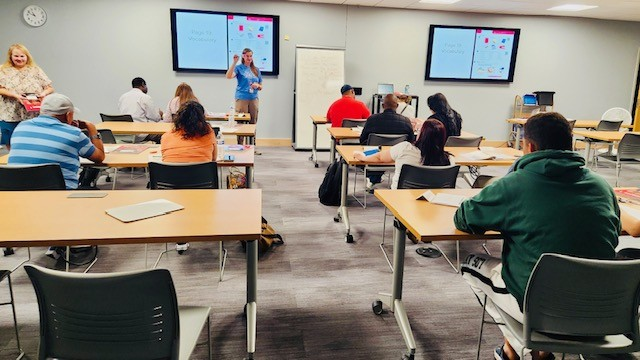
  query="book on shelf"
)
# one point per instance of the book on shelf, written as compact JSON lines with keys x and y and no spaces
{"x":144,"y":210}
{"x":442,"y":198}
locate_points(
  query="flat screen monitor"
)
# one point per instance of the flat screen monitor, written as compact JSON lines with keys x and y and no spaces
{"x":384,"y":89}
{"x":468,"y":53}
{"x":205,"y":41}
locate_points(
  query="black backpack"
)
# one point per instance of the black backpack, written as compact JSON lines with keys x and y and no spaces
{"x":330,"y":189}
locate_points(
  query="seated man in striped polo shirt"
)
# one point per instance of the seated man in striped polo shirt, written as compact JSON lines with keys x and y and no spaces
{"x":54,"y":137}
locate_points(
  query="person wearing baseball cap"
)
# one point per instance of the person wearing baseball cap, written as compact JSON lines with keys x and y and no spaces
{"x":347,"y":107}
{"x":55,"y":137}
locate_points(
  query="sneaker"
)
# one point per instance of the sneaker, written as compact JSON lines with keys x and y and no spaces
{"x":181,"y":248}
{"x":53,"y":252}
{"x":369,"y":186}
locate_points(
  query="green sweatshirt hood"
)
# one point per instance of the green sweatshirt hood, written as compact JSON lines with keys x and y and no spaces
{"x":551,"y":163}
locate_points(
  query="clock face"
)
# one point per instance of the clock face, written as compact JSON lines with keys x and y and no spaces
{"x":34,"y":15}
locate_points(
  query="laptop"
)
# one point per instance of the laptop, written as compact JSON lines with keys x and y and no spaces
{"x":384,"y":89}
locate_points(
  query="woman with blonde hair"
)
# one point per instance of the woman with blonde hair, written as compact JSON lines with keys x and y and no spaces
{"x":21,"y":80}
{"x":183,"y":94}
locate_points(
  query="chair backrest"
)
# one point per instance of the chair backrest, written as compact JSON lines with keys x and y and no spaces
{"x":582,"y":297}
{"x":107,"y":136}
{"x":482,"y":181}
{"x":183,"y":175}
{"x":459,"y":141}
{"x":351,"y":123}
{"x":121,"y":117}
{"x":629,"y":146}
{"x":428,"y":177}
{"x":106,"y":316}
{"x":31,"y":177}
{"x":617,"y":113}
{"x":609,"y":125}
{"x":386,"y":139}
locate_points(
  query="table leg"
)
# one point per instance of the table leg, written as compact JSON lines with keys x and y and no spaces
{"x":394,"y":300}
{"x":518,"y":134}
{"x":587,"y":151}
{"x":314,"y":146}
{"x":252,"y":296}
{"x":332,"y":151}
{"x":249,"y":176}
{"x":343,"y":212}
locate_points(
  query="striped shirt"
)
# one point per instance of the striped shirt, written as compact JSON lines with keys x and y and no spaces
{"x":46,"y":140}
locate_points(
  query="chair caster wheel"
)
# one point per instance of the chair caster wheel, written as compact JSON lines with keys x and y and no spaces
{"x":336,"y":219}
{"x":377,"y":307}
{"x":316,"y":165}
{"x":349,"y":238}
{"x":8,"y":251}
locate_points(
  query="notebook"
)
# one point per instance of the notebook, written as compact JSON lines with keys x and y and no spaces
{"x":384,"y":89}
{"x":442,"y":198}
{"x":144,"y":210}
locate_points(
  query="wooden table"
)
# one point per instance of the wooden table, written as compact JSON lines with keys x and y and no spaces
{"x":245,"y":157}
{"x":346,"y":153}
{"x":206,"y":217}
{"x":135,"y":128}
{"x":427,"y":222}
{"x":607,"y":136}
{"x":580,"y":124}
{"x":239,"y":117}
{"x":317,"y":120}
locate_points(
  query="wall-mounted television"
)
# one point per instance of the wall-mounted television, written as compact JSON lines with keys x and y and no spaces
{"x":205,"y":41}
{"x":471,"y":53}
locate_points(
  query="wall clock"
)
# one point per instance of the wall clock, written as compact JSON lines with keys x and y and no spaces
{"x":34,"y":15}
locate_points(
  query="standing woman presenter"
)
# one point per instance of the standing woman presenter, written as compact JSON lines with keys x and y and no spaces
{"x":249,"y":83}
{"x":19,"y":77}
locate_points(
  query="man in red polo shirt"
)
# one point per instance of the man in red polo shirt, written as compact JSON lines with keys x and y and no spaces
{"x":347,"y":107}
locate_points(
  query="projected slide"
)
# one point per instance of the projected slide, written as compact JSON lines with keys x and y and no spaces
{"x":470,"y":53}
{"x":492,"y":57}
{"x":255,"y":33}
{"x":205,"y":41}
{"x":200,"y":37}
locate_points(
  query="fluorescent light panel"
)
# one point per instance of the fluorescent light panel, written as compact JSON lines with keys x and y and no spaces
{"x":441,"y":2}
{"x":572,"y":7}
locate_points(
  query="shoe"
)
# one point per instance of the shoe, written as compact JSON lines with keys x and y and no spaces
{"x":8,"y":251}
{"x":498,"y":354}
{"x":54,"y":252}
{"x":181,"y":248}
{"x":256,"y":152}
{"x":369,"y":186}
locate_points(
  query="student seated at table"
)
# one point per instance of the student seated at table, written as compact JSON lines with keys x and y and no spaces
{"x":428,"y":150}
{"x":191,"y":140}
{"x":183,"y":94}
{"x":347,"y":107}
{"x":443,"y":112}
{"x":550,"y":203}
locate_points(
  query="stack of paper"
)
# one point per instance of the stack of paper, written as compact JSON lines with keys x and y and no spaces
{"x":144,"y":210}
{"x":478,"y":155}
{"x":442,"y":198}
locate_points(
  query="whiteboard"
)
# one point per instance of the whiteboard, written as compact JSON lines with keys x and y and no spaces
{"x":318,"y":78}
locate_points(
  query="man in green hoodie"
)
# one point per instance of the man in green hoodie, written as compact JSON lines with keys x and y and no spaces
{"x":550,"y":203}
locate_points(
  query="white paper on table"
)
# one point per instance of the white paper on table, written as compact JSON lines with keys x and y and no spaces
{"x":144,"y":210}
{"x":442,"y":198}
{"x":631,"y":211}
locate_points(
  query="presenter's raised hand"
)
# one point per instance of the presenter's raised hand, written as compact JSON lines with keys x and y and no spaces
{"x":235,"y":58}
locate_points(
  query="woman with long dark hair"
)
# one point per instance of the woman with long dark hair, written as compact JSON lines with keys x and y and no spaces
{"x":428,"y":150}
{"x":192,"y":138}
{"x":443,"y":112}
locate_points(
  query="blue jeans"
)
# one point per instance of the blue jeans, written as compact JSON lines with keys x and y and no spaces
{"x":6,"y":130}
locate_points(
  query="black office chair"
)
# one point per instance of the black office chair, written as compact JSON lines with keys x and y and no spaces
{"x":30,"y":177}
{"x":6,"y":274}
{"x":351,"y":123}
{"x":603,"y":125}
{"x":132,"y":315}
{"x":424,"y":177}
{"x":459,"y":141}
{"x":628,"y":152}
{"x":185,"y":176}
{"x":121,"y":117}
{"x":386,"y":139}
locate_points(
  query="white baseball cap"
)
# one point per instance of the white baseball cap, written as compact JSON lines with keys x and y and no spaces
{"x":56,"y":104}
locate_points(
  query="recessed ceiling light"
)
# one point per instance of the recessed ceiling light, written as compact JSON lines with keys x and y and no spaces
{"x":442,"y":2}
{"x":572,"y":7}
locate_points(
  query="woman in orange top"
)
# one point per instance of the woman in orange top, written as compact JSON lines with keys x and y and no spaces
{"x":192,"y":138}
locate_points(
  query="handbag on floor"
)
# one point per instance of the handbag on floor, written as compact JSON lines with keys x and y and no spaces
{"x":268,"y":238}
{"x":236,"y":179}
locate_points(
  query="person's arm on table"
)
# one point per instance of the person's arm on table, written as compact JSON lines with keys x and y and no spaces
{"x":483,"y":212}
{"x":630,"y":223}
{"x":379,"y":157}
{"x":98,"y":153}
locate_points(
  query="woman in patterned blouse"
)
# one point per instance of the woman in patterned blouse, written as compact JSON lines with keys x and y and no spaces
{"x":20,"y":80}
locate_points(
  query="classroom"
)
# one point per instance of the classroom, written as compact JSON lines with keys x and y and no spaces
{"x":315,"y":292}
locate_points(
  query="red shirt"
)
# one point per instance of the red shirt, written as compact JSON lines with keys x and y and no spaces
{"x":346,"y":108}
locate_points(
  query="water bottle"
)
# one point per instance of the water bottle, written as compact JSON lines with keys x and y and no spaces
{"x":232,"y":111}
{"x":406,"y":89}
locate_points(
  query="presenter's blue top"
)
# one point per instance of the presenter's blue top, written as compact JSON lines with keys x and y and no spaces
{"x":245,"y":78}
{"x":46,"y":140}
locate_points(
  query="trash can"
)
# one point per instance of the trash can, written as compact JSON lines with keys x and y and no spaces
{"x":545,"y":98}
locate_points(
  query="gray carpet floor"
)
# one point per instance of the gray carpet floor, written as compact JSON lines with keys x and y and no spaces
{"x":315,"y":292}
